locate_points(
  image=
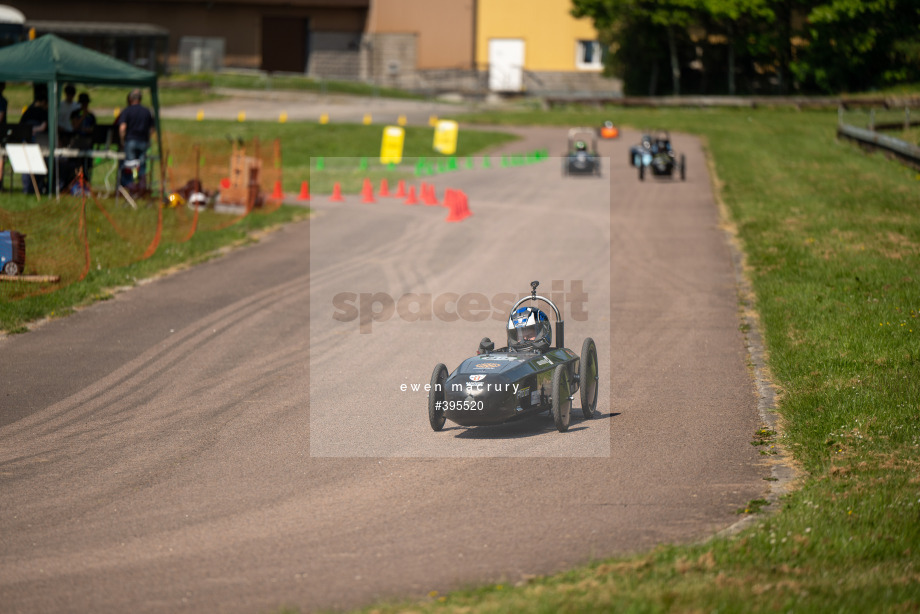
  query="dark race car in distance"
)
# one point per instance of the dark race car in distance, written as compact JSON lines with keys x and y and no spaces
{"x":582,"y":157}
{"x":527,"y":377}
{"x":656,"y":154}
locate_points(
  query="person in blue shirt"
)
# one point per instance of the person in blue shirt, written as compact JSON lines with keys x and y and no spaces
{"x":135,"y":127}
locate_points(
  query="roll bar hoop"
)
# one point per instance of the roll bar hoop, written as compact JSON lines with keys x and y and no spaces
{"x":560,"y":325}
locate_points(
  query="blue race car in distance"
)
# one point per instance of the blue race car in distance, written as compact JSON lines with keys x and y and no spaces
{"x":656,"y":154}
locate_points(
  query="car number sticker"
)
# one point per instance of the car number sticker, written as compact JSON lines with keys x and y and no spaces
{"x":478,"y":377}
{"x":487,"y":365}
{"x":545,"y":361}
{"x":523,"y":392}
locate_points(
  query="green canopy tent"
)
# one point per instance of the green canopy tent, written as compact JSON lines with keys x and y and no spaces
{"x":52,"y":60}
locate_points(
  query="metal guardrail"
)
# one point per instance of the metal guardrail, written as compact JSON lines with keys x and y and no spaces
{"x":906,"y":152}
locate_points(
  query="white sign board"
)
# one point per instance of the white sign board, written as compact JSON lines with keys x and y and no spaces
{"x":26,"y":159}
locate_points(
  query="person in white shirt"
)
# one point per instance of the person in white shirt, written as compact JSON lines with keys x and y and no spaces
{"x":66,"y":108}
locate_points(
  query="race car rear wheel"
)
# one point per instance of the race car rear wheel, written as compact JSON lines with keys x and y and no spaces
{"x":588,"y":377}
{"x":436,"y":397}
{"x":641,"y":172}
{"x":562,"y":399}
{"x":683,"y":167}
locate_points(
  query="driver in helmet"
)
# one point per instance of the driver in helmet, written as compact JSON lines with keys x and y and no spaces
{"x":581,"y":146}
{"x":528,"y":328}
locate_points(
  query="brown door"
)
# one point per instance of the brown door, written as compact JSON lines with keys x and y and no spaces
{"x":284,"y":44}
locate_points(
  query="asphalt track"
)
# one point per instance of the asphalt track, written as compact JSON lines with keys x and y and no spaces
{"x":216,"y":440}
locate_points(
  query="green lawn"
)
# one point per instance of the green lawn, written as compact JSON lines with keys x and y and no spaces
{"x":347,"y":152}
{"x":104,"y":99}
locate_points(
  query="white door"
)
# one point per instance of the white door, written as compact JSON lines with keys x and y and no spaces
{"x":506,"y":64}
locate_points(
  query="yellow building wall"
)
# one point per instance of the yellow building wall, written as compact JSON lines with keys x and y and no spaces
{"x":549,"y":32}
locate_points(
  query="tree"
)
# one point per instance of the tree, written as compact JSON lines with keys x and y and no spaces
{"x":667,"y":16}
{"x":860,"y":44}
{"x":728,"y":14}
{"x":813,"y":45}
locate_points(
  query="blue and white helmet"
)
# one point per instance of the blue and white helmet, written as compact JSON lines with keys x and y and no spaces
{"x":528,"y":327}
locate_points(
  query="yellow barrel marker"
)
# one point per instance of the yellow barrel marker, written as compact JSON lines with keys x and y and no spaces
{"x":391,"y":146}
{"x":445,"y":137}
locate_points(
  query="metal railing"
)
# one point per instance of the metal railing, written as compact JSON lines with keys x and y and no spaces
{"x":870,"y":137}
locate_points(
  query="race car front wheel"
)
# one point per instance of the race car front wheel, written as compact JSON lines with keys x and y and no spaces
{"x":587,"y":377}
{"x":436,"y":397}
{"x":562,"y":399}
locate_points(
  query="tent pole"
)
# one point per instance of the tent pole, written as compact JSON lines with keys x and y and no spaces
{"x":156,"y":120}
{"x":54,"y":94}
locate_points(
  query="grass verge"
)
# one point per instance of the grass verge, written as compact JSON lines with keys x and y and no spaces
{"x":832,"y":238}
{"x":118,"y":239}
{"x":303,"y":144}
{"x":104,"y":99}
{"x":256,"y":81}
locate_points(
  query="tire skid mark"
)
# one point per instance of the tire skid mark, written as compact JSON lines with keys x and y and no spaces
{"x":136,"y":444}
{"x":161,"y":354}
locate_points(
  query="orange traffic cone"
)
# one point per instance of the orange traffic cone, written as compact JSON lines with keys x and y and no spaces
{"x":453,"y":202}
{"x":464,"y":204}
{"x":411,"y":200}
{"x":430,"y":197}
{"x":445,"y":204}
{"x":400,"y":189}
{"x":277,"y":194}
{"x":336,"y":193}
{"x":384,"y":187}
{"x":367,"y":192}
{"x":304,"y":191}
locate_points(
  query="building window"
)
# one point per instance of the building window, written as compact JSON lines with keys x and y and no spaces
{"x":588,"y":55}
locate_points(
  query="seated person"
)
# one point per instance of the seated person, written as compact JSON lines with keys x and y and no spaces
{"x":529,"y":329}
